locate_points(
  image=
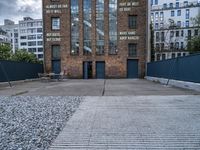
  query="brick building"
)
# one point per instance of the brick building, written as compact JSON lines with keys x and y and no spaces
{"x":96,"y":38}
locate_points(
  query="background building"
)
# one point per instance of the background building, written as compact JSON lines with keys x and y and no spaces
{"x":4,"y":37}
{"x":172,"y":26}
{"x":28,"y":34}
{"x":31,"y":36}
{"x":12,"y":32}
{"x":95,"y":38}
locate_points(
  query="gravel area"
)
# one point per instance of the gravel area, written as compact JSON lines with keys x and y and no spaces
{"x":32,"y":123}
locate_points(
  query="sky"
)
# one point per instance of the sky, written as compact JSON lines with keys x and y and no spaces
{"x":17,"y":9}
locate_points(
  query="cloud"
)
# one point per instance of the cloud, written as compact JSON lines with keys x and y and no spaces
{"x":17,"y":9}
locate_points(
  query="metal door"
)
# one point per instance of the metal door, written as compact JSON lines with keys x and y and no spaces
{"x":56,"y":66}
{"x":132,"y":68}
{"x":100,"y":70}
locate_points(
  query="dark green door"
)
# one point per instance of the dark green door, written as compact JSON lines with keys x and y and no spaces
{"x":132,"y":68}
{"x":87,"y":70}
{"x":56,"y":66}
{"x":100,"y":70}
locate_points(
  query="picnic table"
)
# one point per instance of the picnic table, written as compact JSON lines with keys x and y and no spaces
{"x":49,"y":76}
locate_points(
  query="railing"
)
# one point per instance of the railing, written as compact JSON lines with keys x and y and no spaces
{"x":185,"y":68}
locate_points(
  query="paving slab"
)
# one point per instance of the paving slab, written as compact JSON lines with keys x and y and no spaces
{"x":119,"y":87}
{"x":133,"y":122}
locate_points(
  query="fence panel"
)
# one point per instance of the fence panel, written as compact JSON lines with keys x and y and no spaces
{"x":182,"y":68}
{"x":19,"y":70}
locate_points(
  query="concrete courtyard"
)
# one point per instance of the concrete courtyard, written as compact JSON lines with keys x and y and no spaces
{"x":122,"y":114}
{"x":120,"y":87}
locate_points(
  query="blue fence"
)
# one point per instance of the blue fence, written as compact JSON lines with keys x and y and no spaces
{"x":182,"y":68}
{"x":18,"y":70}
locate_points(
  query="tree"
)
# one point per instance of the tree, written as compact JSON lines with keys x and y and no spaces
{"x":23,"y":55}
{"x":194,"y":45}
{"x":5,"y":52}
{"x":196,"y":21}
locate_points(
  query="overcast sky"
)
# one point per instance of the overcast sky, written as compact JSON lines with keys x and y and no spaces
{"x":17,"y":9}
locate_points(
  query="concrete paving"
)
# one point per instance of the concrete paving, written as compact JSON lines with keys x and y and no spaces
{"x":133,"y":122}
{"x":120,"y":87}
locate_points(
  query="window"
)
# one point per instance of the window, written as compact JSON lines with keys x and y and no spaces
{"x":156,"y":2}
{"x":132,"y":49}
{"x":40,"y":43}
{"x":173,"y":55}
{"x":189,"y":34}
{"x":179,"y":24}
{"x":185,"y":3}
{"x":178,"y":12}
{"x":187,"y":24}
{"x":172,"y":13}
{"x":158,"y":57}
{"x":171,"y":34}
{"x":177,"y":45}
{"x":40,"y":56}
{"x":32,"y":43}
{"x":39,"y":36}
{"x":182,"y":45}
{"x":74,"y":27}
{"x":100,"y":27}
{"x":39,"y":30}
{"x":56,"y":52}
{"x":113,"y":26}
{"x":157,"y":36}
{"x":179,"y":55}
{"x":187,"y":14}
{"x":157,"y":47}
{"x":55,"y":23}
{"x":156,"y":16}
{"x":177,"y":33}
{"x":22,"y":37}
{"x":156,"y":26}
{"x":177,"y":4}
{"x":163,"y":56}
{"x":161,"y":16}
{"x":165,"y":6}
{"x":87,"y":8}
{"x":31,"y":37}
{"x":196,"y":32}
{"x":182,"y":33}
{"x":32,"y":50}
{"x":40,"y":49}
{"x":162,"y":36}
{"x":132,"y":20}
{"x":171,"y":5}
{"x":23,"y":44}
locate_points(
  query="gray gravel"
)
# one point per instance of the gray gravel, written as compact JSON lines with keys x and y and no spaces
{"x":32,"y":123}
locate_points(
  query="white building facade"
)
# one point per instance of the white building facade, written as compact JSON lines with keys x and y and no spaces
{"x":12,"y":30}
{"x":28,"y":34}
{"x":31,"y":36}
{"x":173,"y":27}
{"x":4,"y":39}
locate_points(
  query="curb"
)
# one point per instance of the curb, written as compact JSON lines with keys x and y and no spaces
{"x":176,"y":83}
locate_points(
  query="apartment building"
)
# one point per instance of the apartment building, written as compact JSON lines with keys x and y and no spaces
{"x":31,"y":36}
{"x":173,"y":27}
{"x":12,"y":31}
{"x":95,"y":38}
{"x":4,"y":37}
{"x":27,"y":34}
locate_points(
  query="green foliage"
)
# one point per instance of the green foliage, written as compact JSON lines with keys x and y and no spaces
{"x":196,"y":21}
{"x":194,"y":45}
{"x":5,"y":52}
{"x":23,"y":55}
{"x":19,"y":55}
